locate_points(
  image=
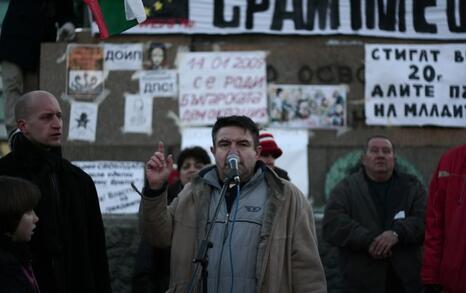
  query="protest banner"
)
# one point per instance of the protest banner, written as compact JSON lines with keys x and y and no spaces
{"x":415,"y":85}
{"x":113,"y":183}
{"x":214,"y":84}
{"x":414,"y":19}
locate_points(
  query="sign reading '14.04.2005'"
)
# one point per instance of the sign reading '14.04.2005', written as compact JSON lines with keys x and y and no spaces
{"x":416,"y":85}
{"x":214,"y":84}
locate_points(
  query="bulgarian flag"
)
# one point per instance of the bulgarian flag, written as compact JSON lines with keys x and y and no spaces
{"x":116,"y":16}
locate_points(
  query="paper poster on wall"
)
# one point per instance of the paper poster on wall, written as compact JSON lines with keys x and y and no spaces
{"x":197,"y":136}
{"x":85,"y":76}
{"x":158,"y":83}
{"x":294,"y":159}
{"x":307,"y":106}
{"x":113,"y":183}
{"x":83,"y":121}
{"x":214,"y":84}
{"x":293,"y":142}
{"x":123,"y":56}
{"x":415,"y":85}
{"x":138,"y":114}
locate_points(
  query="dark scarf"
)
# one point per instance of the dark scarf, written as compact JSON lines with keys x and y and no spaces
{"x":36,"y":155}
{"x":43,"y":167}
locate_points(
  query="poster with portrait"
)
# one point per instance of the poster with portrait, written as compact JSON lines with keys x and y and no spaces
{"x":85,"y":75}
{"x":83,"y":121}
{"x":156,"y":56}
{"x":308,"y":106}
{"x":138,"y":114}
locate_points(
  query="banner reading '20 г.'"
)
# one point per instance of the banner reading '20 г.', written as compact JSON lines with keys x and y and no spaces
{"x":418,"y":19}
{"x":415,"y":84}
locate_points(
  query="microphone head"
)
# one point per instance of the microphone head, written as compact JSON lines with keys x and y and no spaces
{"x":233,"y":157}
{"x":233,"y":163}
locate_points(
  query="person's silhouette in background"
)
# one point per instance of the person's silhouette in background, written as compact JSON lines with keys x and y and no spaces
{"x":26,"y":25}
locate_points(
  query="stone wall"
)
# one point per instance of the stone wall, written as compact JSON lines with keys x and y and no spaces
{"x":122,"y":235}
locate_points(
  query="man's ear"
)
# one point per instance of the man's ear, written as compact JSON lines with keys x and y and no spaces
{"x":21,"y":124}
{"x":212,"y":150}
{"x":258,"y":151}
{"x":362,"y":159}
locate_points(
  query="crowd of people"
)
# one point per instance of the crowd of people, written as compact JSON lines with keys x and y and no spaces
{"x":237,"y":225}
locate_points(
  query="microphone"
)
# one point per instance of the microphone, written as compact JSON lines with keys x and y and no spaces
{"x":233,"y":162}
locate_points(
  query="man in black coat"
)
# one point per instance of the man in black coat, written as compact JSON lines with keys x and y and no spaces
{"x":376,"y":219}
{"x":68,"y":248}
{"x":26,"y":25}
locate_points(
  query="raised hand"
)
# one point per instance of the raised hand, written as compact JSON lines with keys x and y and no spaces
{"x":158,"y":167}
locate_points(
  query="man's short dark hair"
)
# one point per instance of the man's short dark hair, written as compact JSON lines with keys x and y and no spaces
{"x":239,"y":121}
{"x":366,"y":146}
{"x":17,"y":196}
{"x":197,"y":153}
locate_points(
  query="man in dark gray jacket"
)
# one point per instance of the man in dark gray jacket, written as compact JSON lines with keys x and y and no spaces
{"x":376,"y":218}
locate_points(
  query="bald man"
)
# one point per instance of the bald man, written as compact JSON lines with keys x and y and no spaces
{"x":68,"y":247}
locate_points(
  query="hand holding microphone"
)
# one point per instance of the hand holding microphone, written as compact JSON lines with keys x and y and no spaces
{"x":233,"y":163}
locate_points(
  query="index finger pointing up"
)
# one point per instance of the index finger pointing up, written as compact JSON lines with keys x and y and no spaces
{"x":161,"y":147}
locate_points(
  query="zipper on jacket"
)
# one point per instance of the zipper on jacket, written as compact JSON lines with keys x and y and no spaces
{"x":220,"y":260}
{"x":225,"y":230}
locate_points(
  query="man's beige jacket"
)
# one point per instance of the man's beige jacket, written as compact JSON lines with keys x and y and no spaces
{"x":287,"y":260}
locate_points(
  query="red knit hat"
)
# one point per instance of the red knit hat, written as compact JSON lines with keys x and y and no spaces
{"x":269,"y":146}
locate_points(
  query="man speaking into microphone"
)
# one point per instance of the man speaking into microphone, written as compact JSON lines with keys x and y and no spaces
{"x":261,"y":237}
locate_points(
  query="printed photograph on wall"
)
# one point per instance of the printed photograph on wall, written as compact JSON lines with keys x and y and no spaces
{"x":138,"y":114}
{"x":307,"y":106}
{"x":85,"y":75}
{"x":156,"y":56}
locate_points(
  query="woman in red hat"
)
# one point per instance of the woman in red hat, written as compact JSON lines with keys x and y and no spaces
{"x":270,"y":151}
